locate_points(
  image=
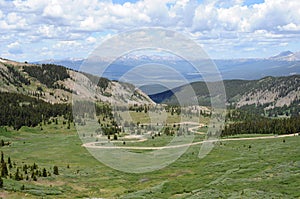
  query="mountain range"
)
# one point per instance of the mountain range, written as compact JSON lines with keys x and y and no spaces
{"x":57,"y":84}
{"x":284,"y":64}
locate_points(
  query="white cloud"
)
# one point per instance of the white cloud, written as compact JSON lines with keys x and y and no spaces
{"x":34,"y":6}
{"x":66,"y":44}
{"x":88,"y":24}
{"x":284,"y":44}
{"x":219,"y":23}
{"x":289,"y":27}
{"x":15,"y":48}
{"x":14,"y":45}
{"x":53,"y":10}
{"x":91,"y":40}
{"x":51,"y":32}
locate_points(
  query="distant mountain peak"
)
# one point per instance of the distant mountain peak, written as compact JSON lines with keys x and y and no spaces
{"x":287,"y":56}
{"x":286,"y":53}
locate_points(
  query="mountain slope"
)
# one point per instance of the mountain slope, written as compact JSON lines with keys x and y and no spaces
{"x":57,"y":84}
{"x":268,"y":92}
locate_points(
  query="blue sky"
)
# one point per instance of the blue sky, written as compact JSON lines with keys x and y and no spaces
{"x":247,"y":2}
{"x":37,"y":30}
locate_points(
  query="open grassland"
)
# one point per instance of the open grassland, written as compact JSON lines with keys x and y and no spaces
{"x":268,"y":168}
{"x":158,"y":117}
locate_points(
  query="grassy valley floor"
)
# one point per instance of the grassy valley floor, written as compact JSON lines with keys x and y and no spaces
{"x":266,"y":168}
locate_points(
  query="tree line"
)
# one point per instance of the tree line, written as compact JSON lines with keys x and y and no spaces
{"x":19,"y":110}
{"x":47,"y":74}
{"x":251,"y":124}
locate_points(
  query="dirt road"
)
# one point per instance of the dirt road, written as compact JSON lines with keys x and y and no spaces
{"x":93,"y":144}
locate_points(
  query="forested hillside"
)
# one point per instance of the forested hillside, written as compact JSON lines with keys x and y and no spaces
{"x":270,"y":95}
{"x":57,"y":84}
{"x":18,"y":110}
{"x":47,"y":74}
{"x":249,"y":122}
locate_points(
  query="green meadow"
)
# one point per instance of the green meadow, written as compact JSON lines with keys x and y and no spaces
{"x":268,"y":168}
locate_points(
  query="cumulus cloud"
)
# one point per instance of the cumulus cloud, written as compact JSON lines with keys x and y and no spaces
{"x":66,"y":44}
{"x":15,"y":48}
{"x":212,"y":22}
{"x":289,"y":27}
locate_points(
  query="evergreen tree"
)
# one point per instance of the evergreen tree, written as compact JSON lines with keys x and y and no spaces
{"x":1,"y":183}
{"x":4,"y":170}
{"x":115,"y":137}
{"x":17,"y":175}
{"x":34,"y":166}
{"x":44,"y":172}
{"x":2,"y":157}
{"x":55,"y":170}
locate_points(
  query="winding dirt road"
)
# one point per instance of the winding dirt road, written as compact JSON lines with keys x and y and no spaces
{"x":93,"y":144}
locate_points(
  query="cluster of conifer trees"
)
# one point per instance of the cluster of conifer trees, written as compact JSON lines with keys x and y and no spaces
{"x":247,"y":123}
{"x":19,"y":110}
{"x":47,"y":74}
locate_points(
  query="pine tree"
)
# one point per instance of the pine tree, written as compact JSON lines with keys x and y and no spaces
{"x":55,"y":170}
{"x":17,"y":176}
{"x":4,"y":170}
{"x":44,"y":172}
{"x":35,"y":166}
{"x":1,"y":183}
{"x":2,"y":157}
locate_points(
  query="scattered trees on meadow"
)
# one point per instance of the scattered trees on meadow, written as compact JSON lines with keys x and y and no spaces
{"x":24,"y":172}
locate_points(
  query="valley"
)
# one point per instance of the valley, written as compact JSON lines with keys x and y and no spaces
{"x":246,"y":168}
{"x":56,"y":120}
{"x":150,"y":99}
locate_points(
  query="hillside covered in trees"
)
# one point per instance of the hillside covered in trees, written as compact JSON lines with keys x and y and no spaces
{"x":244,"y":122}
{"x":270,"y":95}
{"x":58,"y":84}
{"x":47,"y":74}
{"x":18,"y":110}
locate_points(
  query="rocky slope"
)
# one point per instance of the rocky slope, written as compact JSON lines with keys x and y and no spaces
{"x":57,"y":84}
{"x":268,"y":92}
